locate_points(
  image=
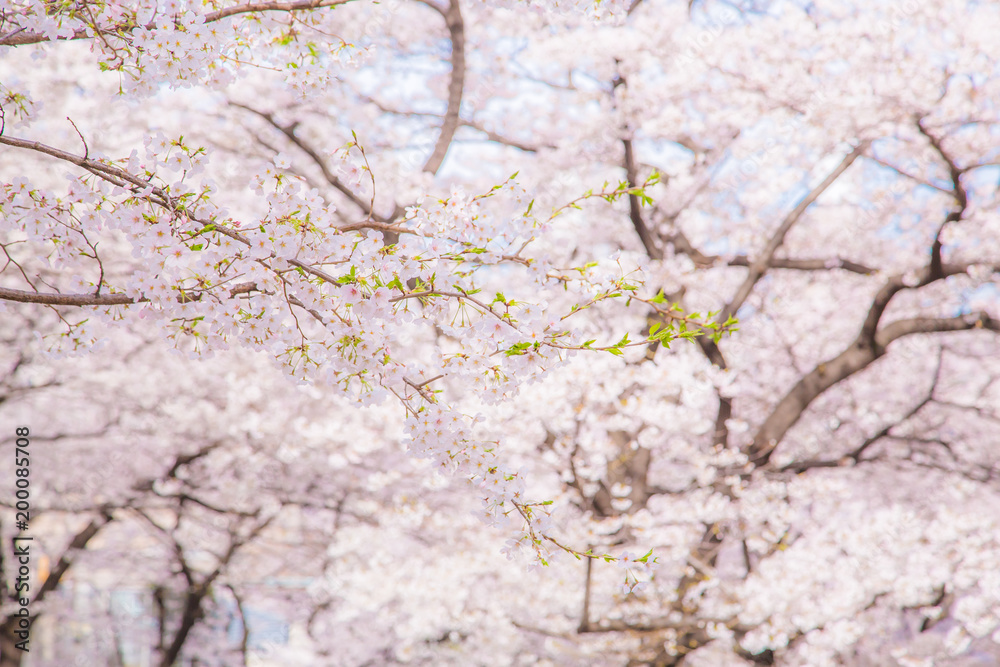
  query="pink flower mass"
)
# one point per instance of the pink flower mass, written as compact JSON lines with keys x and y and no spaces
{"x":499,"y":332}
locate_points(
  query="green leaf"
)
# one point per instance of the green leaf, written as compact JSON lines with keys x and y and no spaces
{"x":517,"y":349}
{"x":349,"y":278}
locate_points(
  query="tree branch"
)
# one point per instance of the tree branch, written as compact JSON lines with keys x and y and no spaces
{"x":635,"y":211}
{"x":902,"y":172}
{"x":197,"y":591}
{"x":24,"y":296}
{"x":958,"y":192}
{"x":328,"y":175}
{"x":585,"y":613}
{"x":78,"y":543}
{"x":759,"y":267}
{"x":473,"y":124}
{"x":855,"y":455}
{"x":499,"y":138}
{"x":810,"y":264}
{"x":855,"y":358}
{"x":456,"y":28}
{"x":917,"y":325}
{"x":683,"y":245}
{"x":898,"y":283}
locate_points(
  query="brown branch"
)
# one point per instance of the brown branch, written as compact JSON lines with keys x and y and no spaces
{"x":120,"y":177}
{"x":917,"y":325}
{"x":855,"y":358}
{"x":328,"y":175}
{"x":635,"y":211}
{"x":245,"y":634}
{"x":98,"y":168}
{"x":898,"y":283}
{"x":79,"y":542}
{"x":683,"y":245}
{"x":51,"y":299}
{"x":759,"y":266}
{"x":958,"y":191}
{"x":473,"y":124}
{"x":809,"y":264}
{"x":161,"y":198}
{"x":24,"y":296}
{"x":902,"y":172}
{"x":855,"y":455}
{"x":585,"y":613}
{"x":456,"y":28}
{"x":297,"y":6}
{"x":197,"y":592}
{"x":499,"y":138}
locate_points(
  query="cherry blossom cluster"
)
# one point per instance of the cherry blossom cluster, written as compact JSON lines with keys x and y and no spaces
{"x":330,"y":304}
{"x":857,"y":530}
{"x":183,"y":43}
{"x":599,"y":10}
